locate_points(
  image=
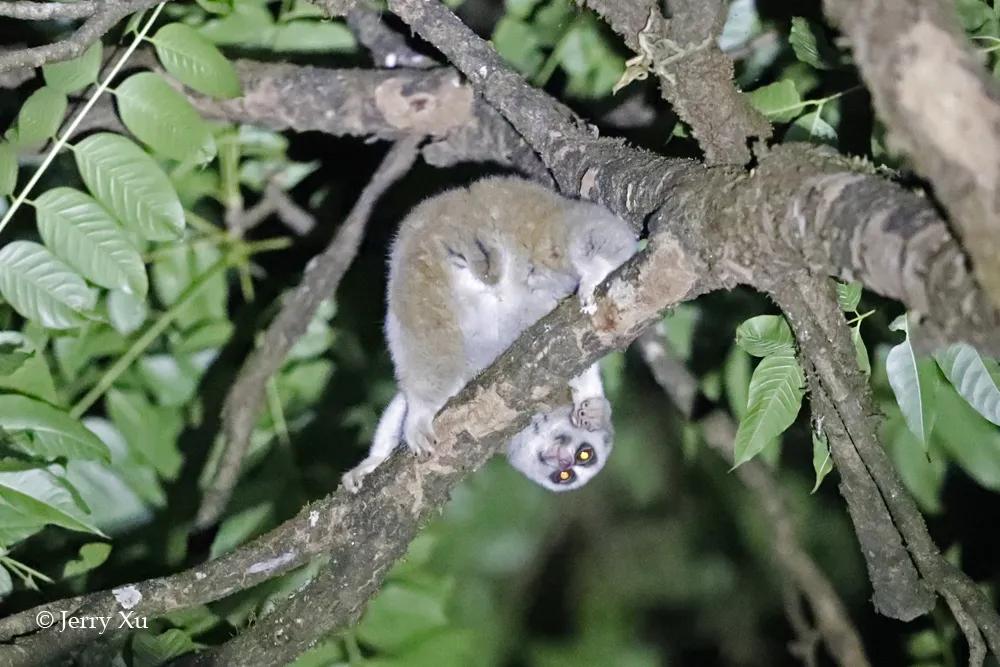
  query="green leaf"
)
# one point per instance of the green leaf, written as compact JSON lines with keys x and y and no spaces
{"x":72,"y":440}
{"x":40,"y":500}
{"x":923,"y":475}
{"x":779,"y":101}
{"x":8,"y":168}
{"x":151,"y":431}
{"x":94,"y":341}
{"x":10,"y":361}
{"x":822,"y":463}
{"x":402,"y":612}
{"x":41,"y":288}
{"x":92,"y":555}
{"x":6,"y":583}
{"x":172,"y":379}
{"x":177,"y":268}
{"x":313,"y":37}
{"x":206,"y":336}
{"x":811,"y":128}
{"x":518,"y":45}
{"x":810,"y":45}
{"x":163,"y":118}
{"x":765,"y":335}
{"x":736,"y":379}
{"x":776,"y":391}
{"x":248,"y":25}
{"x":152,"y":651}
{"x":848,"y":296}
{"x":970,"y":377}
{"x":913,"y":384}
{"x":126,"y":311}
{"x":40,"y":116}
{"x":23,"y":370}
{"x":522,"y":9}
{"x":973,"y":13}
{"x":131,"y":185}
{"x":70,"y":76}
{"x":196,"y":62}
{"x":84,"y":235}
{"x":860,"y":350}
{"x":969,"y":440}
{"x":240,"y":527}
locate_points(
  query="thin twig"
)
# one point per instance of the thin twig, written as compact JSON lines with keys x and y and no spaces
{"x":110,"y":13}
{"x":323,"y":273}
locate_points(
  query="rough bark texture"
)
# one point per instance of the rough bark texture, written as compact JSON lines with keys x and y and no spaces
{"x":105,"y":16}
{"x":695,"y":76}
{"x":385,"y":104}
{"x":940,"y":107}
{"x":801,"y":215}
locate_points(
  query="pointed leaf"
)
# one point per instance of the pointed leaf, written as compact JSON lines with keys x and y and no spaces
{"x":966,"y":371}
{"x":822,"y":463}
{"x":765,"y":335}
{"x":40,"y":116}
{"x":912,"y":383}
{"x":149,"y":650}
{"x":196,"y":62}
{"x":83,"y":234}
{"x":41,"y":288}
{"x":70,"y":439}
{"x":810,"y":45}
{"x":860,"y":350}
{"x":40,"y":499}
{"x":131,"y":185}
{"x":776,"y":391}
{"x":811,"y":128}
{"x":126,"y":312}
{"x":70,"y":76}
{"x":779,"y":101}
{"x":8,"y":168}
{"x":92,"y":555}
{"x":163,"y":118}
{"x":848,"y":296}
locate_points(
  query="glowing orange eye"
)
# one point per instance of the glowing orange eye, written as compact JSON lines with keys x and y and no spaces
{"x":563,"y":476}
{"x":585,"y":455}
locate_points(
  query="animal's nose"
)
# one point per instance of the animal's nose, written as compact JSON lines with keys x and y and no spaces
{"x":566,"y":457}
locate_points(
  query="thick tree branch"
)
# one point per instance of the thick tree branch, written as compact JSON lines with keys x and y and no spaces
{"x":940,"y":107}
{"x":245,"y":398}
{"x":27,"y":10}
{"x":365,"y":534}
{"x":797,"y":566}
{"x":105,"y":16}
{"x":695,"y":76}
{"x":843,"y":401}
{"x":387,"y":104}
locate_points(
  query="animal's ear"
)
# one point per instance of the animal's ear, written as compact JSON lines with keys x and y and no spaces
{"x":455,"y":257}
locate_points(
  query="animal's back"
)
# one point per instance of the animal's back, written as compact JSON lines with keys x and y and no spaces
{"x":510,"y":236}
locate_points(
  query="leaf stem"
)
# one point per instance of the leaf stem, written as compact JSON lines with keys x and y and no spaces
{"x":148,"y":336}
{"x":23,"y":569}
{"x":71,"y":128}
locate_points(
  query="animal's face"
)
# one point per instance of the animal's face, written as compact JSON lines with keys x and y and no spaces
{"x":553,"y":452}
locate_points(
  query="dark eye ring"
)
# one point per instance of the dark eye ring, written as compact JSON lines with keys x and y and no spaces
{"x":563,"y":476}
{"x":585,"y":455}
